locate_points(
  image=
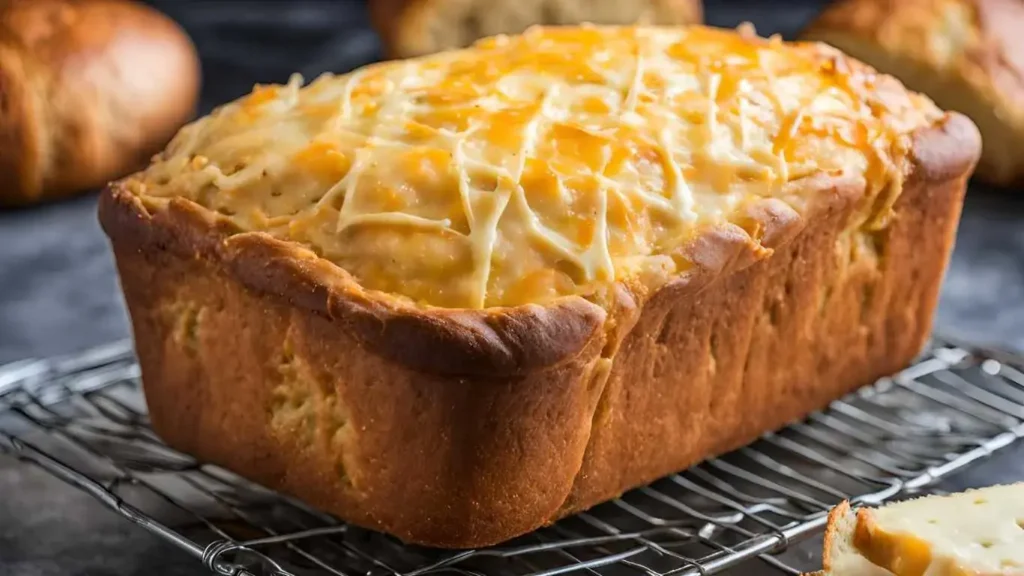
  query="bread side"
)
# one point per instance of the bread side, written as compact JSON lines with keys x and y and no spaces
{"x":254,"y":361}
{"x":89,"y":91}
{"x":417,"y":27}
{"x":256,"y":357}
{"x":710,"y":370}
{"x":967,"y":55}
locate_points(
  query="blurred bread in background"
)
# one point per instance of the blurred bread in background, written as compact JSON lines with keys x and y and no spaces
{"x":417,"y":27}
{"x":967,"y":55}
{"x":89,"y":89}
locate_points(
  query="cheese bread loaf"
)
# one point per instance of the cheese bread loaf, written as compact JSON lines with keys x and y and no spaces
{"x":458,"y":297}
{"x":968,"y":55}
{"x":973,"y":533}
{"x":417,"y":27}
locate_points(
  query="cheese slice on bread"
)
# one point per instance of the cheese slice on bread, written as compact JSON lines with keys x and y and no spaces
{"x":973,"y":533}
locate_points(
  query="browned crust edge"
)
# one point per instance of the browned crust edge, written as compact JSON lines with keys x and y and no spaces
{"x":832,"y":534}
{"x":947,"y":150}
{"x":488,"y":342}
{"x":494,"y":341}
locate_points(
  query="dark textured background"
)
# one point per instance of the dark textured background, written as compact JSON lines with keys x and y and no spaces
{"x":58,"y":291}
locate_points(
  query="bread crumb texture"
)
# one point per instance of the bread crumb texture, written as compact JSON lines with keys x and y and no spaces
{"x":307,"y":408}
{"x":548,"y":164}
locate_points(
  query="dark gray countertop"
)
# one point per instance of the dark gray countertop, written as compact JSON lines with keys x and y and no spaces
{"x":58,"y":291}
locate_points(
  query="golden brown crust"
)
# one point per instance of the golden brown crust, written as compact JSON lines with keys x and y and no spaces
{"x":840,"y":556}
{"x":466,"y":428}
{"x":377,"y":432}
{"x":94,"y":88}
{"x":946,"y":151}
{"x":968,"y":55}
{"x":416,"y":27}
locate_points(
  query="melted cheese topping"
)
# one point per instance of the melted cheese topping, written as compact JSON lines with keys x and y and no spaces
{"x":531,"y":167}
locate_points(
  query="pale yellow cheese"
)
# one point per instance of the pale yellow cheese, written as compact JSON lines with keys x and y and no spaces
{"x":976,"y":532}
{"x":531,"y":167}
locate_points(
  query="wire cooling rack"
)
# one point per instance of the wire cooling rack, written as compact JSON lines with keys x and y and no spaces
{"x":82,"y":418}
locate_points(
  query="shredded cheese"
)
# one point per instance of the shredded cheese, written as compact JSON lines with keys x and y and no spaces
{"x":531,"y":167}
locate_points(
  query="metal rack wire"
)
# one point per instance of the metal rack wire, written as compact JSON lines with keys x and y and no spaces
{"x":82,"y":418}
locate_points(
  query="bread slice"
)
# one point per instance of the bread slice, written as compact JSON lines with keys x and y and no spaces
{"x":973,"y":533}
{"x":418,"y":27}
{"x":967,"y":55}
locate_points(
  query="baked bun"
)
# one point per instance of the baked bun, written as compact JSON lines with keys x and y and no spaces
{"x":418,"y":27}
{"x":88,"y":91}
{"x":973,"y":533}
{"x":967,"y":55}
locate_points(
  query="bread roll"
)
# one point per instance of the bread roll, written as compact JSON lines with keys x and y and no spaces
{"x":418,"y":27}
{"x":973,"y":533}
{"x":967,"y":55}
{"x":88,"y":91}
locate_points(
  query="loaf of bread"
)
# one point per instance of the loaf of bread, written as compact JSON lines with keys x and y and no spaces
{"x":89,"y":90}
{"x":418,"y":27}
{"x":973,"y":533}
{"x":968,"y":55}
{"x":458,"y":297}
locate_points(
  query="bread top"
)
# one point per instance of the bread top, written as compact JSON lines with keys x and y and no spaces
{"x":559,"y":162}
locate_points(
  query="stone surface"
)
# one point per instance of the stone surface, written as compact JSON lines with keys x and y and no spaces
{"x":58,"y":291}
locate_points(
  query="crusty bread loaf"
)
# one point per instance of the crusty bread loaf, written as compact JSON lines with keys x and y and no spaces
{"x":88,"y":91}
{"x":418,"y":27}
{"x":459,"y":297}
{"x":973,"y":533}
{"x":968,"y":55}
